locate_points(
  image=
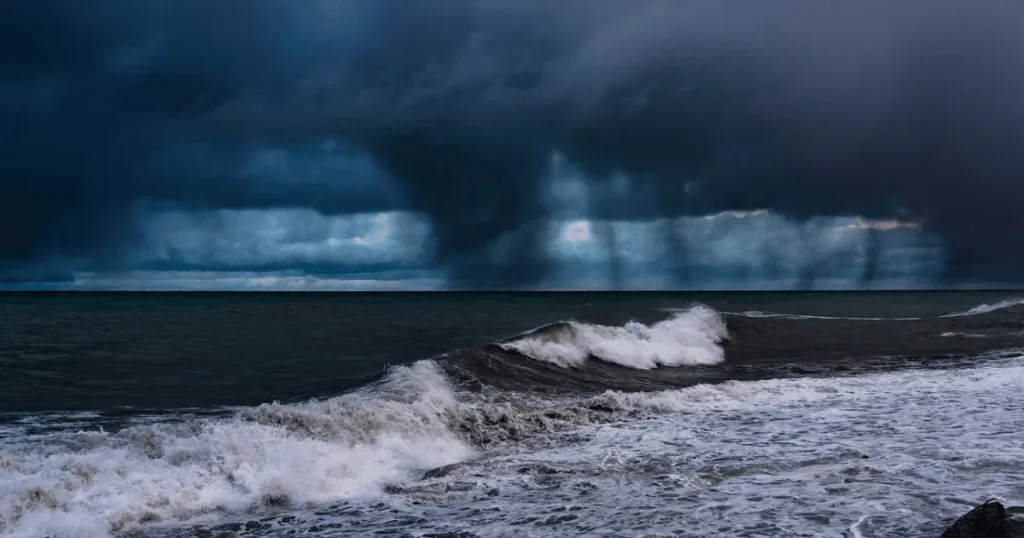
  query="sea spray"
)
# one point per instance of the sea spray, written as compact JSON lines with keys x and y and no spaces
{"x":352,"y":446}
{"x":689,"y":337}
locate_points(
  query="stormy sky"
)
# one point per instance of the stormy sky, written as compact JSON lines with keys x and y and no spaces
{"x":457,"y":144}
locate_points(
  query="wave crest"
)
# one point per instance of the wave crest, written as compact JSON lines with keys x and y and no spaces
{"x":690,"y":337}
{"x":350,"y":446}
{"x":987,"y":308}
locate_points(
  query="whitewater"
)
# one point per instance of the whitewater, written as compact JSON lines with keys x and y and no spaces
{"x":95,"y":483}
{"x":688,"y":337}
{"x":420,"y":451}
{"x":767,"y":458}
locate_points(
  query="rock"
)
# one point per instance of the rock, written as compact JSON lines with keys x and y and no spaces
{"x":441,"y":472}
{"x":990,"y":520}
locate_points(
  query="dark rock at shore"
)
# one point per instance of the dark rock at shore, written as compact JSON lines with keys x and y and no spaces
{"x":443,"y":471}
{"x":990,"y":520}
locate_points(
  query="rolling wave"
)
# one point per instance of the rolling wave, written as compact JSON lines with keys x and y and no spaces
{"x":360,"y":445}
{"x":414,"y":425}
{"x":698,"y":345}
{"x":987,"y":308}
{"x":97,"y":483}
{"x":427,"y":415}
{"x":691,"y":337}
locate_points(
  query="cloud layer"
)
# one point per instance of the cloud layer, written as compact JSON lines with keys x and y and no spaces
{"x":140,"y":134}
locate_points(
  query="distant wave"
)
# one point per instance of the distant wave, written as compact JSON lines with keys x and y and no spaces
{"x":962,"y":335}
{"x":759,"y":314}
{"x":978,"y":335}
{"x":986,"y":308}
{"x":688,"y":337}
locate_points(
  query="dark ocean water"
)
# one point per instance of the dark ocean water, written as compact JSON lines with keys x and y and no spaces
{"x":159,"y":351}
{"x":766,"y":414}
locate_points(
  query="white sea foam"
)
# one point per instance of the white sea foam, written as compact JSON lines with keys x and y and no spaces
{"x":688,"y":337}
{"x":92,"y":484}
{"x":887,"y":454}
{"x":986,"y":308}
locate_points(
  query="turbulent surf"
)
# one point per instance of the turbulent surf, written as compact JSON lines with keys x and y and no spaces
{"x":681,"y":419}
{"x":686,"y":338}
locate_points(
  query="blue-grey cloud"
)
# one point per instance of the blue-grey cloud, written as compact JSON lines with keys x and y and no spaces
{"x":754,"y":250}
{"x":452,"y":109}
{"x":290,"y":280}
{"x":279,"y":239}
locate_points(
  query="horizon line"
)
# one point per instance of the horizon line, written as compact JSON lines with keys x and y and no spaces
{"x":14,"y":291}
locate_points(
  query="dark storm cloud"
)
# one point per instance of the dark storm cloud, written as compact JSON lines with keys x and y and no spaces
{"x":13,"y":273}
{"x":453,"y":107}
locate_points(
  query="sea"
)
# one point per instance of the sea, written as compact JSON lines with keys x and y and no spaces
{"x":160,"y":415}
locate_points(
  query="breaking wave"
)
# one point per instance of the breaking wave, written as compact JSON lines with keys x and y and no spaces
{"x":687,"y":338}
{"x":95,"y":483}
{"x":414,"y":425}
{"x":422,"y":417}
{"x":361,"y":445}
{"x":987,"y":308}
